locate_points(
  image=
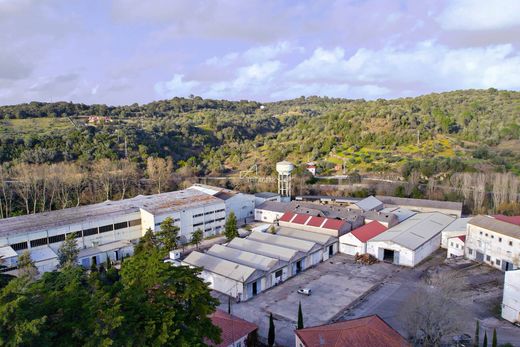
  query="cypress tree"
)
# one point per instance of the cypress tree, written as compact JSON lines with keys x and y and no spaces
{"x":484,"y":344}
{"x":494,"y":342}
{"x":477,"y":337}
{"x":300,"y":316}
{"x":271,"y":334}
{"x":229,"y":305}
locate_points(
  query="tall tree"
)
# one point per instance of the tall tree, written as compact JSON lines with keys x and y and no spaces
{"x":26,"y":267}
{"x":196,"y":238}
{"x":271,"y":332}
{"x":68,"y":251}
{"x":230,"y":228}
{"x":494,"y":341}
{"x":300,"y":316}
{"x":159,"y":171}
{"x":477,"y":335}
{"x":168,"y":234}
{"x":485,"y":342}
{"x":147,"y":242}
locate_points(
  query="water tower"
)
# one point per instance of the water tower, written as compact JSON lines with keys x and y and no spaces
{"x":284,"y":169}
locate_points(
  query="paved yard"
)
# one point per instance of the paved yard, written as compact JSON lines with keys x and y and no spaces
{"x":336,"y":284}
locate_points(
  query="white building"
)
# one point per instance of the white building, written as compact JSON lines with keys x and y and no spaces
{"x":411,"y":241}
{"x":270,"y":211}
{"x":493,"y":242}
{"x":235,"y":331}
{"x":355,"y":242}
{"x":262,"y":197}
{"x":511,"y":300}
{"x":423,"y":205}
{"x":329,"y":244}
{"x":456,"y":246}
{"x":321,"y":225}
{"x":457,"y":228}
{"x":242,"y":205}
{"x":369,"y":204}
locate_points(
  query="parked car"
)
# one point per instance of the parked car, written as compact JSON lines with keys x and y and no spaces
{"x":305,"y":291}
{"x":463,"y":340}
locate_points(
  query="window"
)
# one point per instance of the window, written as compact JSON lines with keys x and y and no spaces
{"x":197,"y":224}
{"x":451,"y":243}
{"x":492,"y":236}
{"x":510,"y":243}
{"x":497,"y":262}
{"x":56,"y":238}
{"x":39,"y":242}
{"x":106,"y":228}
{"x":121,"y":225}
{"x":219,"y":219}
{"x":488,"y":257}
{"x":481,"y":233}
{"x":499,"y":239}
{"x":77,"y":234}
{"x":134,"y":222}
{"x":19,"y":246}
{"x":486,"y":234}
{"x":91,"y":231}
{"x":198,"y":215}
{"x":470,"y":251}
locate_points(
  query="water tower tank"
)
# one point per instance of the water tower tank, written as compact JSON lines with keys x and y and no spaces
{"x":284,"y":167}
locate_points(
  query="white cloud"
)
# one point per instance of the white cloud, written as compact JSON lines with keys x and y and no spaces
{"x":480,"y":15}
{"x":175,"y":87}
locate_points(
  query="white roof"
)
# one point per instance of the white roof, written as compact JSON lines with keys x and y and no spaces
{"x":415,"y":231}
{"x":43,"y":253}
{"x":234,"y":271}
{"x":277,"y":252}
{"x":459,"y":225}
{"x":369,"y":204}
{"x":321,"y":239}
{"x":7,"y":252}
{"x":401,"y":213}
{"x":288,"y":242}
{"x":106,"y":247}
{"x":253,"y":260}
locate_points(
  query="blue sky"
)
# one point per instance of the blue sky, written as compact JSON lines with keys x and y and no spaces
{"x":126,"y":51}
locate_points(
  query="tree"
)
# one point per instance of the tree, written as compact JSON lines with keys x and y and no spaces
{"x":300,"y":316}
{"x":271,"y":333}
{"x":196,"y":238}
{"x":229,"y":305}
{"x":230,"y":229}
{"x":26,"y":267}
{"x":68,"y":251}
{"x":4,"y":278}
{"x":252,"y":339}
{"x":485,"y":343}
{"x":168,"y":234}
{"x":494,"y":342}
{"x":159,"y":171}
{"x":477,"y":335}
{"x":147,"y":242}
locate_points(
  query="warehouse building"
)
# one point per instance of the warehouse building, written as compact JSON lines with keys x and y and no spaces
{"x":239,"y":281}
{"x":457,"y":228}
{"x":99,"y":228}
{"x":400,"y":213}
{"x":494,"y":242}
{"x":322,"y":225}
{"x":355,"y":242}
{"x":423,"y":205}
{"x":411,"y":241}
{"x":329,"y":244}
{"x":511,"y":299}
{"x":276,"y":271}
{"x":242,"y":205}
{"x":456,"y":246}
{"x":270,"y":211}
{"x":262,"y":197}
{"x":369,"y":204}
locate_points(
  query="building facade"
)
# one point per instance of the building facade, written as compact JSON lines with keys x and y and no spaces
{"x":511,"y":300}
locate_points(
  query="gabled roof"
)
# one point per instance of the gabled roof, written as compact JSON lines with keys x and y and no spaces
{"x":277,"y":252}
{"x":316,"y":221}
{"x":234,"y":271}
{"x":300,"y":219}
{"x":287,"y":216}
{"x":369,"y":204}
{"x":369,"y":331}
{"x":368,"y":231}
{"x":233,"y":328}
{"x":253,"y":260}
{"x":458,"y":225}
{"x":288,"y":242}
{"x":273,"y":206}
{"x":496,"y":225}
{"x":462,"y":238}
{"x":266,"y":195}
{"x":415,"y":231}
{"x":393,"y":200}
{"x":322,"y":239}
{"x":334,"y":224}
{"x":508,"y":219}
{"x":42,"y":254}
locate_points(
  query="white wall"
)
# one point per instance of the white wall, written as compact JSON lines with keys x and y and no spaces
{"x":243,"y":205}
{"x":511,"y":301}
{"x":425,"y":250}
{"x":267,"y":216}
{"x":455,"y":247}
{"x":349,"y":244}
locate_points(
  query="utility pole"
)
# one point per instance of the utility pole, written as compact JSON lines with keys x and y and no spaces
{"x":417,"y":137}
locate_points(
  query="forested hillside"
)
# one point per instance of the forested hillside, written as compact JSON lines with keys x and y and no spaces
{"x":431,"y":136}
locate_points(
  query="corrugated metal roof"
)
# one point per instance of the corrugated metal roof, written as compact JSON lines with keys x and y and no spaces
{"x":401,"y":214}
{"x":321,"y":239}
{"x":277,"y":252}
{"x":226,"y":268}
{"x":274,"y":206}
{"x":288,"y":242}
{"x":496,"y":225}
{"x":393,"y":200}
{"x":300,"y":219}
{"x":368,"y":231}
{"x":42,"y":254}
{"x":459,"y":225}
{"x":333,"y":224}
{"x":266,"y":195}
{"x":415,"y":231}
{"x":509,"y":219}
{"x":316,"y":221}
{"x":106,"y":247}
{"x":7,"y":252}
{"x":250,"y":259}
{"x":369,"y":204}
{"x":287,"y":216}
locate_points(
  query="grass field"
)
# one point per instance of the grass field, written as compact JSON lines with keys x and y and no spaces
{"x":33,"y":125}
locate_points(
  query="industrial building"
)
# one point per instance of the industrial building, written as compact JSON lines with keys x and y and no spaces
{"x":328,"y":244}
{"x":511,"y":299}
{"x":456,"y":246}
{"x":423,"y":205}
{"x":411,"y":241}
{"x":107,"y":229}
{"x":262,"y":197}
{"x":369,"y":204}
{"x":494,"y":242}
{"x":322,"y":225}
{"x":457,"y":228}
{"x":242,"y":205}
{"x":270,"y":211}
{"x":355,"y":242}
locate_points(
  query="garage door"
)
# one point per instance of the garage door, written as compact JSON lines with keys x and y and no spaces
{"x":348,"y":249}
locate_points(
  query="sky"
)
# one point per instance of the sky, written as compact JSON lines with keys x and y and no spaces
{"x":133,"y":51}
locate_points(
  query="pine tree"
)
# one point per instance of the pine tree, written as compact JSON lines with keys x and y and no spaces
{"x":300,"y":316}
{"x":477,"y":337}
{"x":26,"y":267}
{"x":485,"y":344}
{"x":196,"y":238}
{"x":229,"y":305}
{"x":494,"y":342}
{"x":230,"y":229}
{"x":168,"y":234}
{"x":271,"y":333}
{"x":68,"y":251}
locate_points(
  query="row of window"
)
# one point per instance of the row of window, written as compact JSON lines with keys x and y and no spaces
{"x":87,"y":232}
{"x":207,"y":213}
{"x":493,"y":236}
{"x":208,"y":221}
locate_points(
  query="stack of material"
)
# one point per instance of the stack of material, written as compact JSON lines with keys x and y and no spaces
{"x":366,"y":259}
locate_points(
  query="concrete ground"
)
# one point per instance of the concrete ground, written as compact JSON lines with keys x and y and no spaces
{"x":335,"y":284}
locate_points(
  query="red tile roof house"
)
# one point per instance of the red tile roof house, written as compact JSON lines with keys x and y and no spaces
{"x":355,"y":242}
{"x":234,"y":330}
{"x":369,"y":331}
{"x":321,"y":225}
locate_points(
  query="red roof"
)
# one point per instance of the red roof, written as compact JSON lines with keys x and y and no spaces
{"x":369,"y":331}
{"x":462,"y":238}
{"x":508,"y":219}
{"x":287,"y":216}
{"x":316,"y":221}
{"x":233,"y":328}
{"x":368,"y":231}
{"x":300,"y":218}
{"x":334,"y":224}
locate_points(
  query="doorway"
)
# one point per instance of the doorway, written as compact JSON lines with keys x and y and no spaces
{"x":331,"y":250}
{"x":298,"y":266}
{"x":507,"y":266}
{"x":255,"y":288}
